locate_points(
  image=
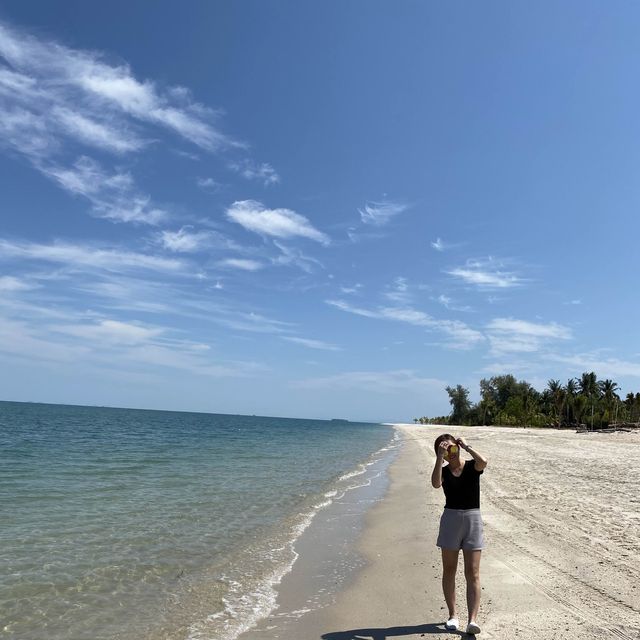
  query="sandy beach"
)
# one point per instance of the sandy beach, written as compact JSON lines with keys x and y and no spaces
{"x":562,"y":530}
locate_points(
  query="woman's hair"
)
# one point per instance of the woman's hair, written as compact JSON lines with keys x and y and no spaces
{"x":439,"y":439}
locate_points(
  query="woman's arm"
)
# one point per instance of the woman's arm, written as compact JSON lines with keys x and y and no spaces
{"x":436,"y":475}
{"x":480,"y":460}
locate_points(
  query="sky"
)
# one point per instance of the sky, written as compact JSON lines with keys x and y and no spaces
{"x":306,"y":209}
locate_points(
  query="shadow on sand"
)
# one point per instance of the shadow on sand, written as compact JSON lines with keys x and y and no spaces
{"x":382,"y":633}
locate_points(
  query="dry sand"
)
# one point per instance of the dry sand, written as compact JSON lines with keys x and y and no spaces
{"x":562,"y":533}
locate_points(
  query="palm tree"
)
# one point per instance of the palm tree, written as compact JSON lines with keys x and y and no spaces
{"x":608,"y":390}
{"x":571,"y":390}
{"x":558,"y":396}
{"x":588,"y":384}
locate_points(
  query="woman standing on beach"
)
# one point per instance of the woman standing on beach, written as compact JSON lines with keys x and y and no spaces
{"x":460,"y":524}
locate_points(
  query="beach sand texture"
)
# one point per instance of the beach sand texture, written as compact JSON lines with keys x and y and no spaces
{"x":562,"y":533}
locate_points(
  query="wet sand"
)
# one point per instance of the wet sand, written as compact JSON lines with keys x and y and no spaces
{"x":562,"y":534}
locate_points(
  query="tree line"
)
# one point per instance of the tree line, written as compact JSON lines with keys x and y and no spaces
{"x":583,"y":402}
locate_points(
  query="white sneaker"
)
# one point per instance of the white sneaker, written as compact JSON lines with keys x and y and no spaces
{"x":473,"y":628}
{"x":452,"y":624}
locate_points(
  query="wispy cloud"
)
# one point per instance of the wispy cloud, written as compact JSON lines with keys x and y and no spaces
{"x":260,"y":172}
{"x":293,"y":256}
{"x":385,"y":382}
{"x":461,"y":336}
{"x":398,"y":291}
{"x":438,"y":245}
{"x":111,"y":331}
{"x":112,"y":195}
{"x":185,"y":240}
{"x":209,"y":184}
{"x":508,"y":335}
{"x":487,"y":274}
{"x":80,"y":91}
{"x":312,"y":344}
{"x":278,"y":223}
{"x":350,"y":290}
{"x":448,"y":303}
{"x":57,"y":104}
{"x":241,"y":263}
{"x":380,"y":213}
{"x":522,"y":327}
{"x":75,"y":255}
{"x":604,"y":367}
{"x":11,"y":283}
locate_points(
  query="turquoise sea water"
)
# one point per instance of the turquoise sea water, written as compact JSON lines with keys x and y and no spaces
{"x":120,"y":523}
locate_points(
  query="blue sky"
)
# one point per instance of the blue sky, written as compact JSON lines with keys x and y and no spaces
{"x":315,"y":209}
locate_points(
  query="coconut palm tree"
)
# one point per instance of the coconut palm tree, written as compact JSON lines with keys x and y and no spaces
{"x":558,"y":396}
{"x":571,"y":390}
{"x":608,"y":393}
{"x":588,"y":384}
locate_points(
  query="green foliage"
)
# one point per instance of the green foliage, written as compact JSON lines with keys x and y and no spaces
{"x":584,"y":401}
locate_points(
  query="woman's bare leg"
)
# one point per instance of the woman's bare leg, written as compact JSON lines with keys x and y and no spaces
{"x":449,"y":567}
{"x":472,"y":576}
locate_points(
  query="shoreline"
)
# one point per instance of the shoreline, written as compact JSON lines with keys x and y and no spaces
{"x":560,"y":551}
{"x":325,"y":552}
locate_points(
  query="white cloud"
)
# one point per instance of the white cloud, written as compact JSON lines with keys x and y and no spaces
{"x":88,"y":256}
{"x":461,"y":336}
{"x":96,"y":134}
{"x":438,"y":245}
{"x":604,"y":367}
{"x":291,"y":256}
{"x":208,"y":184}
{"x":524,"y":328}
{"x":279,"y":223}
{"x":499,"y":368}
{"x":184,"y":240}
{"x":54,"y":99}
{"x":349,"y":308}
{"x":100,"y":95}
{"x":25,"y":132}
{"x":487,"y":274}
{"x":403,"y":380}
{"x":111,"y":331}
{"x":380,"y":213}
{"x":399,"y":291}
{"x":251,"y":322}
{"x":242,"y":264}
{"x":11,"y":283}
{"x":508,"y":335}
{"x":349,"y":290}
{"x":250,"y":170}
{"x":312,"y":344}
{"x":112,"y":196}
{"x":18,"y":338}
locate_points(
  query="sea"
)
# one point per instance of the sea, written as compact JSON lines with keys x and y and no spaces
{"x":128,"y":523}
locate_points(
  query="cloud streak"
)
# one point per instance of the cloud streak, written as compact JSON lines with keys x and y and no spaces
{"x":82,"y":93}
{"x":312,"y":344}
{"x":277,"y":223}
{"x":460,"y":335}
{"x":81,"y":256}
{"x":486,"y":275}
{"x":381,"y":213}
{"x":259,"y":172}
{"x":509,"y":335}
